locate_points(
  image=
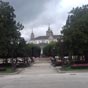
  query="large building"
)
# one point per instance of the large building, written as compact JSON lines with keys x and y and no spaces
{"x":44,"y":40}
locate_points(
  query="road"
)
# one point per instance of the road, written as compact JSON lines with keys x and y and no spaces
{"x":43,"y":75}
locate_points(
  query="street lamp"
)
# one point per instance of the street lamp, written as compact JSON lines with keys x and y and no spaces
{"x":62,"y":51}
{"x":12,"y":55}
{"x":53,"y":52}
{"x":60,"y":40}
{"x":32,"y":54}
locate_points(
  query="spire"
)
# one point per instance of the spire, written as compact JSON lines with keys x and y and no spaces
{"x":32,"y":30}
{"x":32,"y":34}
{"x":49,"y":27}
{"x":49,"y":31}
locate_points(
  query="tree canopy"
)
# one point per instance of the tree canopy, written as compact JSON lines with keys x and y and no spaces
{"x":51,"y":49}
{"x":75,"y":31}
{"x":9,"y":28}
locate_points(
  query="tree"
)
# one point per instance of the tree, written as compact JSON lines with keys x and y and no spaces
{"x":75,"y":32}
{"x":9,"y":31}
{"x":35,"y":50}
{"x":51,"y":49}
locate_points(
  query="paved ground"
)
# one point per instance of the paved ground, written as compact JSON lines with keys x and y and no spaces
{"x":38,"y":69}
{"x":43,"y":75}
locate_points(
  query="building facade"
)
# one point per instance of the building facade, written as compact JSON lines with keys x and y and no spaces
{"x":44,"y":40}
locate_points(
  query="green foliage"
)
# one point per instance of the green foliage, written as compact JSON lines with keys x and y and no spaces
{"x":75,"y":31}
{"x":21,"y":48}
{"x":51,"y":49}
{"x":34,"y":50}
{"x":27,"y":50}
{"x":9,"y":29}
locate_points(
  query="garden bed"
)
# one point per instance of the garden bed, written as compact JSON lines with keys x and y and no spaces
{"x":79,"y":66}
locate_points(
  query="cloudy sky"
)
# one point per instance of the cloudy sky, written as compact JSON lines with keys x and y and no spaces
{"x":38,"y":14}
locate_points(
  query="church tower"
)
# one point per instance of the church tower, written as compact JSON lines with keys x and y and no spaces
{"x":32,"y":35}
{"x":49,"y":32}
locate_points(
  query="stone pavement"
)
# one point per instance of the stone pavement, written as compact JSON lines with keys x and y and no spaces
{"x":43,"y":75}
{"x":39,"y":68}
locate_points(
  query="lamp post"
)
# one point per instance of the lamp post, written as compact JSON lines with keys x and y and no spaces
{"x":62,"y":51}
{"x":32,"y":54}
{"x":12,"y":55}
{"x":53,"y":53}
{"x":53,"y":59}
{"x":60,"y":41}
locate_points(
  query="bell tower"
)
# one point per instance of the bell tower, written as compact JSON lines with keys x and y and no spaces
{"x":32,"y":35}
{"x":49,"y":32}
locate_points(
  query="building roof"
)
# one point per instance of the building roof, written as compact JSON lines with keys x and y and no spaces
{"x":46,"y":37}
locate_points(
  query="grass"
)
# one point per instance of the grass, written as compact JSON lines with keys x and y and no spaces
{"x":8,"y":70}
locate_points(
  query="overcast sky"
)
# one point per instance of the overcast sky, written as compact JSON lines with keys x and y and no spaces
{"x":38,"y":14}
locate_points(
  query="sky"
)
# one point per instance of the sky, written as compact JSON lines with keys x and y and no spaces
{"x":37,"y":15}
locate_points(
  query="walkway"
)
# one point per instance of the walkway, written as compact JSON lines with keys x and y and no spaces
{"x":39,"y":68}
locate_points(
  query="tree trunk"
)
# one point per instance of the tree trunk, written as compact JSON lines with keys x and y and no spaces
{"x":6,"y":61}
{"x":70,"y":58}
{"x":13,"y":64}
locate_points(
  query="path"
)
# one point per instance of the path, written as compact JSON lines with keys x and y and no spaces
{"x":39,"y":68}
